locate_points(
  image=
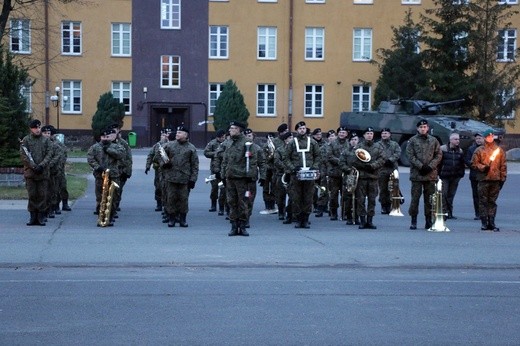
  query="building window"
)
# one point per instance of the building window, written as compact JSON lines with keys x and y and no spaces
{"x":71,"y":38}
{"x":170,"y":14}
{"x":215,"y":89}
{"x":411,"y":2}
{"x":121,"y":39}
{"x":363,"y":1}
{"x":507,"y":45}
{"x":266,"y":100}
{"x":360,"y":98}
{"x":314,"y":43}
{"x":218,"y":42}
{"x":266,"y":43}
{"x":267,"y":0}
{"x":313,"y":101}
{"x":506,"y":99}
{"x":71,"y":101}
{"x":170,"y":71}
{"x":362,"y":45}
{"x":20,"y":36}
{"x":122,"y":92}
{"x":507,"y":2}
{"x":315,"y":1}
{"x":26,"y":92}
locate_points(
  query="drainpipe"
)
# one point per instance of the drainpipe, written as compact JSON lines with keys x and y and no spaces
{"x":46,"y":62}
{"x":291,"y":23}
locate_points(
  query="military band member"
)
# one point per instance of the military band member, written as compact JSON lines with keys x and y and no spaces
{"x":101,"y":156}
{"x":392,"y":153}
{"x":210,"y":152}
{"x":125,"y":164}
{"x":367,"y":186}
{"x":239,"y":169}
{"x":320,"y":197}
{"x":346,"y":159}
{"x":219,"y":158}
{"x":269,"y":188}
{"x":451,"y":170}
{"x":53,"y":194}
{"x":153,"y":159}
{"x":335,"y":172}
{"x":424,"y":153}
{"x":180,"y":173}
{"x":280,"y":191}
{"x":302,"y":152}
{"x":283,"y":200}
{"x":479,"y":140}
{"x":490,"y":162}
{"x":261,"y":166}
{"x":35,"y":153}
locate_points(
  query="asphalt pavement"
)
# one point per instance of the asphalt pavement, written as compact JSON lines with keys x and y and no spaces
{"x":142,"y":283}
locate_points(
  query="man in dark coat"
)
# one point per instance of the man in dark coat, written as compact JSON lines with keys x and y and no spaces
{"x":451,"y":170}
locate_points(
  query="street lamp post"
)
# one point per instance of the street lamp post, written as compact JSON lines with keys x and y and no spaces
{"x":56,"y":103}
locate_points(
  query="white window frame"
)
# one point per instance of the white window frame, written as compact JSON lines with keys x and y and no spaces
{"x":506,"y":49}
{"x":26,"y":92}
{"x":266,"y":100}
{"x":122,"y":91}
{"x":411,"y":2}
{"x":267,"y":37}
{"x":20,"y":35}
{"x":171,"y":67}
{"x":171,"y":14}
{"x":218,"y":42}
{"x":507,"y":2}
{"x":267,"y":0}
{"x":72,"y":34}
{"x":314,"y":40}
{"x":315,"y":1}
{"x":71,"y":102}
{"x":214,"y":91}
{"x":363,"y":2}
{"x":121,"y":43}
{"x":362,"y":44}
{"x":313,"y":101}
{"x":361,"y":98}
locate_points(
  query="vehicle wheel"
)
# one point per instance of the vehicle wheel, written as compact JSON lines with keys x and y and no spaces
{"x":404,"y":157}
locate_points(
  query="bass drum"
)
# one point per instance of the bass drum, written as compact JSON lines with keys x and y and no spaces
{"x":403,"y":160}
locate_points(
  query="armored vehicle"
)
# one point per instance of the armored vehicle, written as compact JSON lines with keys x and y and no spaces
{"x":402,"y":116}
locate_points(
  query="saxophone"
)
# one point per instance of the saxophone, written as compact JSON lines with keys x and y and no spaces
{"x":163,"y":154}
{"x":439,"y":224}
{"x":270,"y":148}
{"x":107,"y":196}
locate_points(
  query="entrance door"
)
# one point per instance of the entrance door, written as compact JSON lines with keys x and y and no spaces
{"x":167,"y":116}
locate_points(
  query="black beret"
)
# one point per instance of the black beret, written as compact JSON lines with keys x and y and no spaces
{"x":386,"y":129}
{"x":368,"y":129}
{"x":183,"y":128}
{"x":299,"y":124}
{"x":220,"y":133}
{"x":53,"y":130}
{"x":108,"y":131}
{"x":248,"y":131}
{"x":238,"y":124}
{"x":422,"y":122}
{"x":478,"y":134}
{"x":282,"y":128}
{"x":166,"y":130}
{"x":35,"y":123}
{"x":330,"y":132}
{"x":316,"y":131}
{"x":342,"y":128}
{"x":285,"y":136}
{"x":46,"y":128}
{"x":353,"y":134}
{"x":113,"y":126}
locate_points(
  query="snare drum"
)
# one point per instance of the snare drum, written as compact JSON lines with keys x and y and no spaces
{"x":307,"y":174}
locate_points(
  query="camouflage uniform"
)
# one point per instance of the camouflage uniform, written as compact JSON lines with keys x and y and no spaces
{"x":102,"y":157}
{"x":238,"y":179}
{"x":125,"y":168}
{"x":391,"y":154}
{"x":284,"y":206}
{"x":53,"y":194}
{"x":335,"y":173}
{"x":451,"y":170}
{"x":301,"y":191}
{"x":367,"y":186}
{"x":61,"y":180}
{"x":424,"y":153}
{"x":321,"y":199}
{"x":491,"y":175}
{"x":347,"y":157}
{"x":180,"y":174}
{"x":473,"y":178}
{"x":261,"y":165}
{"x":36,"y":174}
{"x":219,"y":159}
{"x":269,"y":189}
{"x":153,"y":160}
{"x":210,"y":152}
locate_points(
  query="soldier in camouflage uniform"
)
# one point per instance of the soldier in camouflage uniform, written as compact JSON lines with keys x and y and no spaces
{"x":54,"y":168}
{"x":279,"y":189}
{"x":367,"y":186}
{"x":279,"y":158}
{"x":346,"y":159}
{"x":153,"y":159}
{"x":391,"y":153}
{"x":490,"y":162}
{"x":219,"y":158}
{"x":302,"y":152}
{"x":239,"y":169}
{"x":125,"y":164}
{"x":104,"y":155}
{"x":479,"y":140}
{"x":424,"y":153}
{"x":35,"y":153}
{"x":261,"y":166}
{"x":210,"y":152}
{"x":319,"y":198}
{"x":269,"y":188}
{"x":335,"y":173}
{"x":181,"y":173}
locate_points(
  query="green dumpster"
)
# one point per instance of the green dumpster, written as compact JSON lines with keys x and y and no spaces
{"x":132,"y":139}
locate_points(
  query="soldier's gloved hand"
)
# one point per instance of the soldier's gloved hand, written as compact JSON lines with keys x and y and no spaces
{"x":100,"y":169}
{"x":38,"y":169}
{"x":167,"y":165}
{"x":261,"y":182}
{"x":147,"y":170}
{"x":389,"y":163}
{"x":297,"y":169}
{"x":191,"y":185}
{"x":369,"y":169}
{"x":425,"y":169}
{"x":218,"y":176}
{"x":486,"y":169}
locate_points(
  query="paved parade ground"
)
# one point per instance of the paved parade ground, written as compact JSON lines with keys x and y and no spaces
{"x":141,"y":282}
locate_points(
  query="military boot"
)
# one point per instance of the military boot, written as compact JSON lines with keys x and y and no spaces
{"x":299,"y":221}
{"x":320,"y":211}
{"x":413,"y":224}
{"x":172,"y":220}
{"x":281,"y":213}
{"x":385,"y":209}
{"x":428,"y":224}
{"x":33,"y":220}
{"x":158,"y":206}
{"x":492,"y":226}
{"x":182,"y":220}
{"x":362,"y":222}
{"x":369,"y":224}
{"x":305,"y":221}
{"x":484,"y":223}
{"x":50,"y":213}
{"x":41,"y":218}
{"x":213,"y":206}
{"x":334,"y":214}
{"x":288,"y":219}
{"x":242,"y":228}
{"x":56,"y":208}
{"x":356,"y":221}
{"x":65,"y":205}
{"x":234,"y":229}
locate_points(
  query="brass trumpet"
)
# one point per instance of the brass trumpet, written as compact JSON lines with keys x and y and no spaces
{"x":395,"y":193}
{"x":439,"y":225}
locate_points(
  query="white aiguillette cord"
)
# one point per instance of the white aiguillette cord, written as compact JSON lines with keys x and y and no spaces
{"x":303,"y":151}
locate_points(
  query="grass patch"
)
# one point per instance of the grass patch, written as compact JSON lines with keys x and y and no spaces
{"x":76,"y":173}
{"x":77,"y":153}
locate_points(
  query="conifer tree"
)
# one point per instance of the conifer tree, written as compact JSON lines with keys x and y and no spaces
{"x":230,"y":106}
{"x":109,"y":111}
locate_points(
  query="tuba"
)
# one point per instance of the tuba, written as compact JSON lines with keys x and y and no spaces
{"x":395,"y":194}
{"x":363,"y":155}
{"x":350,"y":181}
{"x":439,"y":225}
{"x":107,"y":197}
